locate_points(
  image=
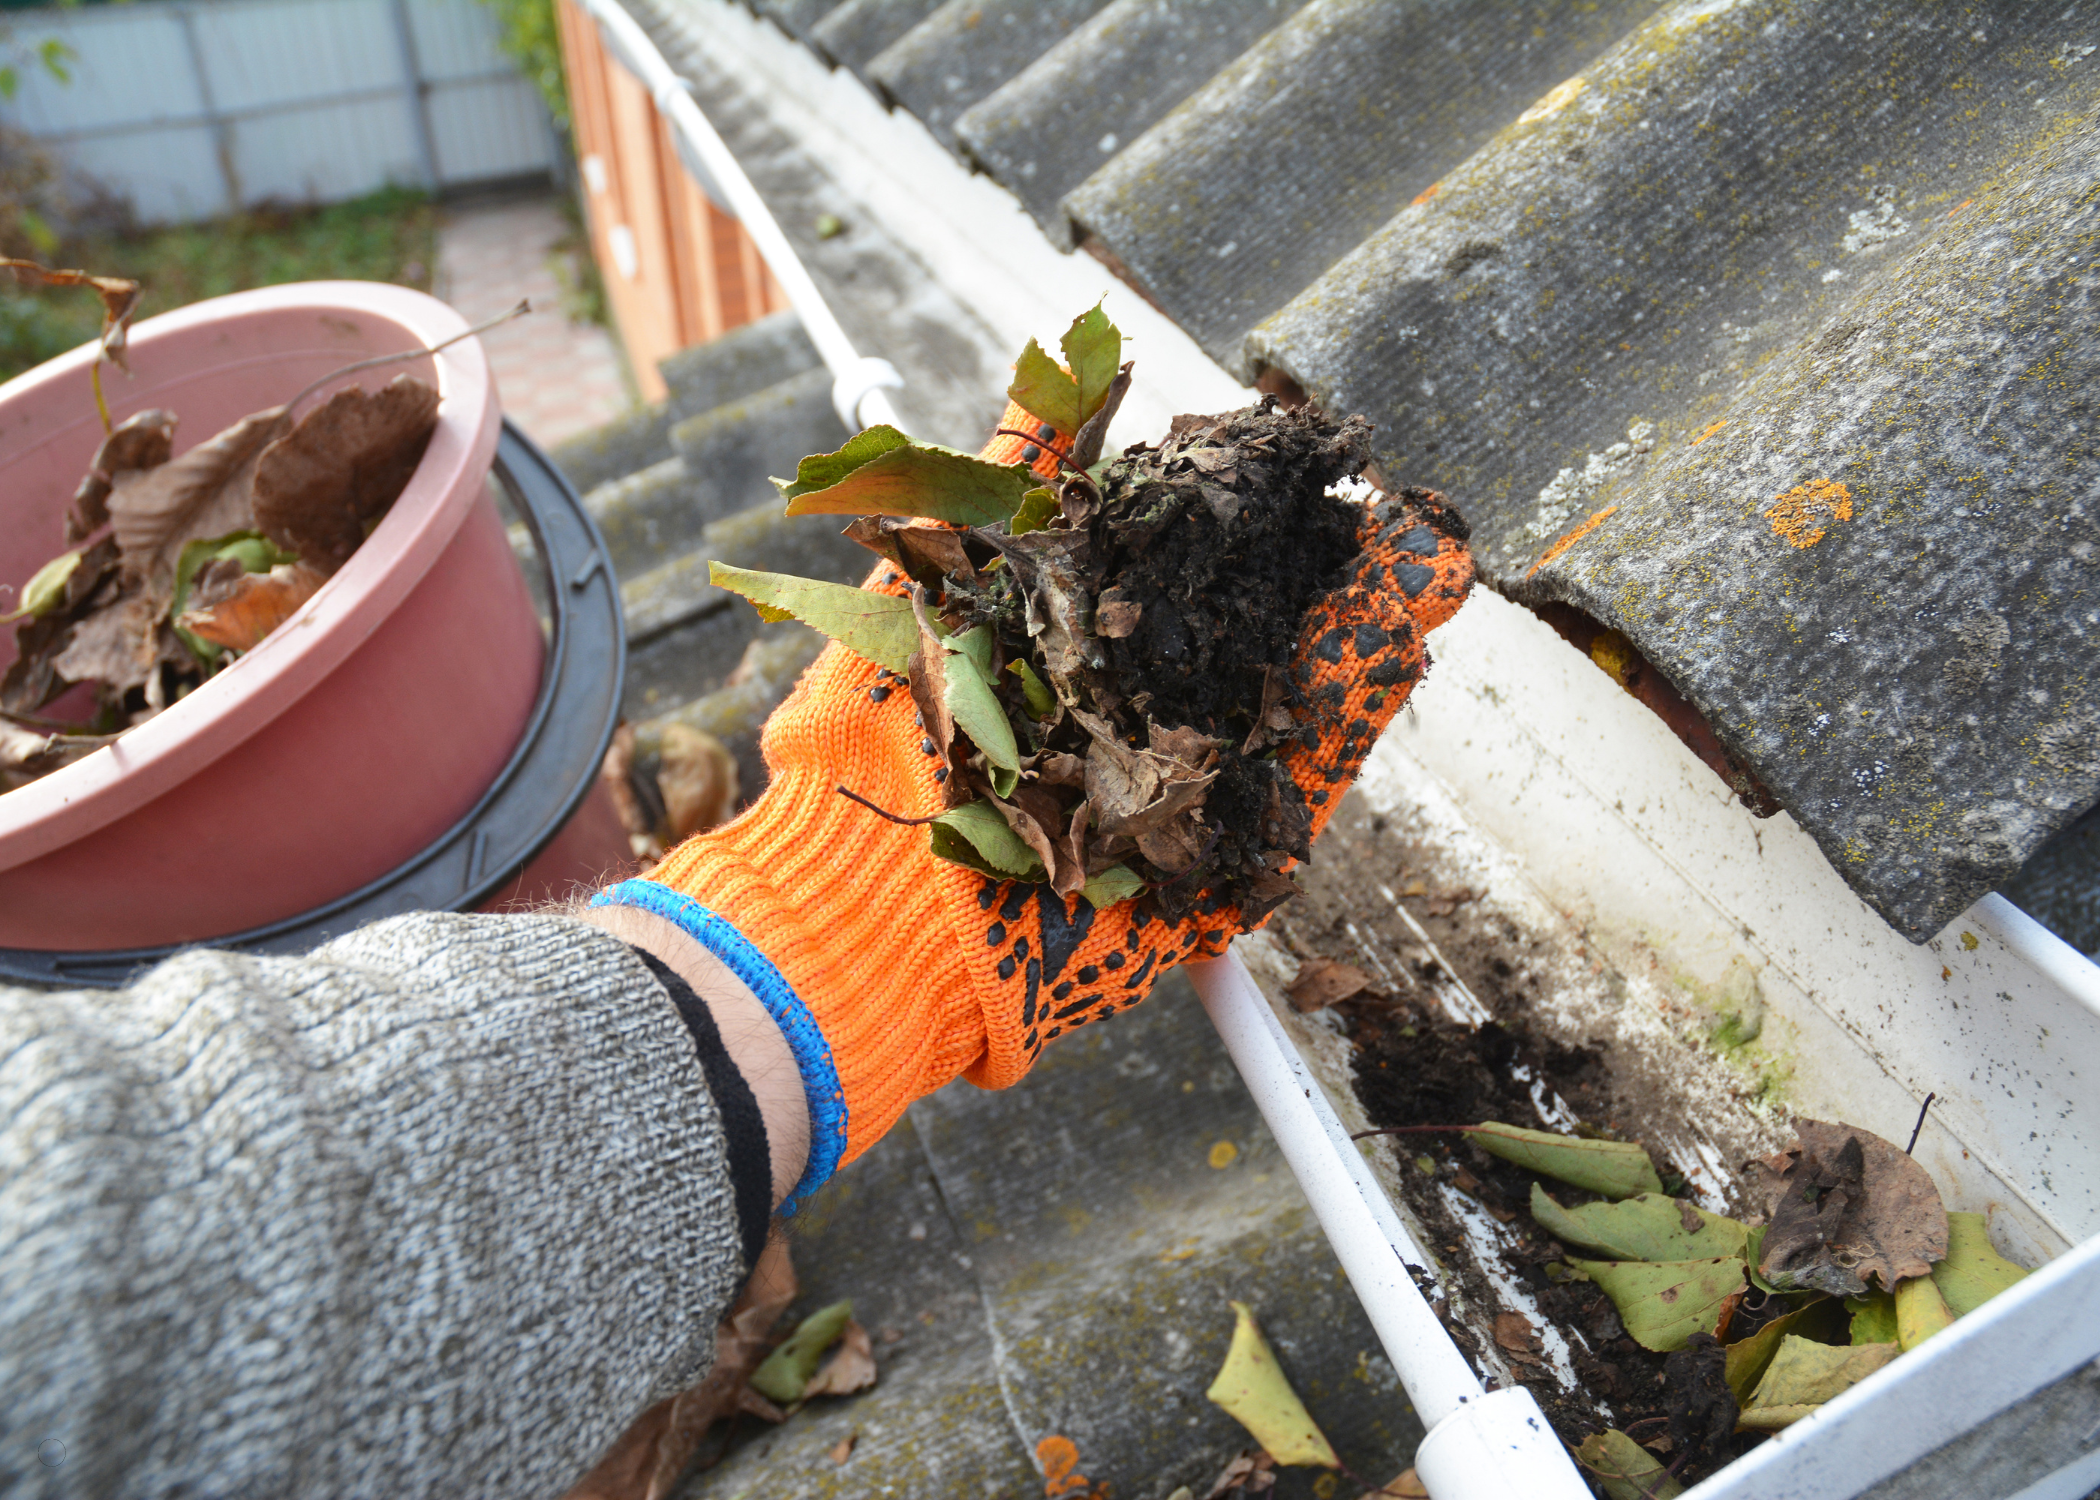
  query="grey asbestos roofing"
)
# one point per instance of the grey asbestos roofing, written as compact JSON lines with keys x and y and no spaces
{"x":1761,"y":332}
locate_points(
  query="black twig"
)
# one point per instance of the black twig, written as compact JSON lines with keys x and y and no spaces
{"x":1413,"y":1130}
{"x":884,"y":812}
{"x":1918,"y":1128}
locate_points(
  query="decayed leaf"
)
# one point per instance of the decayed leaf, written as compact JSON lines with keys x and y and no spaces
{"x":651,"y":1456}
{"x":787,"y":1371}
{"x":1055,"y":597}
{"x":878,"y":627}
{"x":1648,"y":1227}
{"x":46,"y":589}
{"x":118,"y":646}
{"x":319,"y":488}
{"x":1086,"y":447}
{"x":1252,"y":1388}
{"x":237,"y":615}
{"x":120,"y":299}
{"x":1408,"y":1486}
{"x":1921,"y":1312}
{"x":1626,"y":1469}
{"x":26,"y":754}
{"x":1322,"y":982}
{"x":880,"y":471}
{"x":1804,"y":1374}
{"x":207,"y":492}
{"x":1972,"y":1272}
{"x":1847,"y":1205}
{"x":851,"y":1367}
{"x":142,"y":441}
{"x":975,"y":836}
{"x":696,"y":777}
{"x":1614,"y":1169}
{"x":1822,"y":1320}
{"x":1662,"y":1303}
{"x":842,"y":1450}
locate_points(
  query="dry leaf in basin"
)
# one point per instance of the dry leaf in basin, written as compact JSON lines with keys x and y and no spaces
{"x":237,"y":612}
{"x":120,"y":299}
{"x":319,"y":489}
{"x":141,"y":441}
{"x":648,"y":1460}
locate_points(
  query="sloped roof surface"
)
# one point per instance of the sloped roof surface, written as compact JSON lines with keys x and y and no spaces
{"x":1759,"y":331}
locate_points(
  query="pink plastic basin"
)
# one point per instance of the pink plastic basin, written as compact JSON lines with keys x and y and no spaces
{"x":352,"y":737}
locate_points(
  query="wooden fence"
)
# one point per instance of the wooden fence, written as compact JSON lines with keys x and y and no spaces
{"x":677,"y":269}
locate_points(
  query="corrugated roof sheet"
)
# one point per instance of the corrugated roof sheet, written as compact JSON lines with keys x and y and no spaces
{"x":1760,"y":332}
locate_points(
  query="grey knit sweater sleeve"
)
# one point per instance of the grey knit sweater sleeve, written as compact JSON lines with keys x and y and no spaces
{"x":435,"y":1210}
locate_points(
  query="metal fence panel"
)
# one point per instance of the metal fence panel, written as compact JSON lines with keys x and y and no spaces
{"x":189,"y":108}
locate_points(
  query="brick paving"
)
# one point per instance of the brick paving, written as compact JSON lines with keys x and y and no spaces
{"x":556,"y":378}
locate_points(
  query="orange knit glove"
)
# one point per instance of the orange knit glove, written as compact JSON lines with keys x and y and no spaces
{"x":892,"y":972}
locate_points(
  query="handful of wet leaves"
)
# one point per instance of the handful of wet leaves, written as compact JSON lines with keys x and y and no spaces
{"x":1100,"y":665}
{"x":175,"y":566}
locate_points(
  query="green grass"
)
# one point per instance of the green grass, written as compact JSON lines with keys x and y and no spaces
{"x":390,"y":235}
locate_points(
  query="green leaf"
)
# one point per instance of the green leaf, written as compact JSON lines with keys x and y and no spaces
{"x":1251,"y":1386}
{"x":1613,"y":1169}
{"x":1626,"y":1469}
{"x":1004,"y":780}
{"x":1873,"y":1317}
{"x":976,"y":836}
{"x":878,"y":627}
{"x":787,"y":1370}
{"x":1748,"y":1359}
{"x":973,"y":703}
{"x":1663,"y":1303}
{"x":1044,"y":391}
{"x":1805,"y":1374}
{"x":1093,"y":347}
{"x":43,"y":592}
{"x":1973,"y":1272}
{"x":1116,"y":883}
{"x":1041,"y":701}
{"x":1039,"y":507}
{"x":1649,"y":1227}
{"x":1920,"y":1312}
{"x":880,"y":471}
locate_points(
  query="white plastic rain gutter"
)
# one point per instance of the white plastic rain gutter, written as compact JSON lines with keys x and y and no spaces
{"x":1497,"y":1445}
{"x":860,"y":385}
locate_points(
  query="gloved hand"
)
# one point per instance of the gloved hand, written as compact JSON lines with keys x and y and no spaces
{"x":891,"y":972}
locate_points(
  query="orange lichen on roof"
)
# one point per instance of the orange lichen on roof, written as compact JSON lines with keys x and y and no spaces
{"x":1573,"y":537}
{"x":1426,"y":194}
{"x":1711,"y":429}
{"x":1959,"y":207}
{"x":1802,"y":515}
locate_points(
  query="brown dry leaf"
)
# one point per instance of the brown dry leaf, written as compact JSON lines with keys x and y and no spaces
{"x":851,"y":1366}
{"x":1447,"y":902}
{"x":120,"y":299}
{"x":931,"y":552}
{"x":143,"y":441}
{"x":237,"y":613}
{"x":1054,"y":768}
{"x":1407,"y":1487}
{"x":927,"y":676}
{"x":1847,"y":1205}
{"x":873,"y":533}
{"x":697,"y":777}
{"x":617,"y":772}
{"x":1056,"y":598}
{"x":1516,"y":1333}
{"x":1027,"y":828}
{"x":26,"y":754}
{"x":842,"y":1450}
{"x":1252,"y":1472}
{"x":117,"y":645}
{"x":1120,"y":783}
{"x":207,"y":492}
{"x":649,"y":1458}
{"x":1322,"y":982}
{"x":319,"y":486}
{"x":1071,"y":870}
{"x":1116,"y":617}
{"x":1263,"y":893}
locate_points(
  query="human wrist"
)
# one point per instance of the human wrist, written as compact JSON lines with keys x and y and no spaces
{"x":748,"y":1033}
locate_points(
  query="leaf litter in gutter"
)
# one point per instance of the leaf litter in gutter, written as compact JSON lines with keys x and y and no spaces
{"x":1626,"y":1469}
{"x":1847,"y":1205}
